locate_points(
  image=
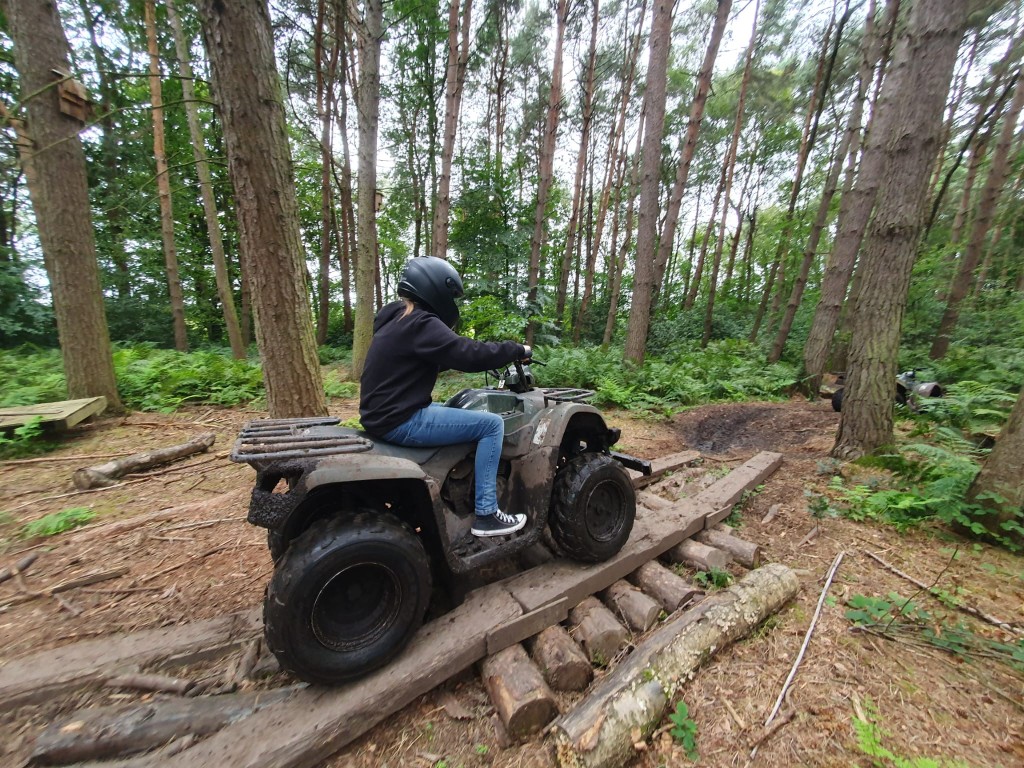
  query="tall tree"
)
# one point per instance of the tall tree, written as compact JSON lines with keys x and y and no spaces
{"x":369,"y":33}
{"x":998,"y":172}
{"x":998,"y":486}
{"x":650,"y":175}
{"x":163,"y":184}
{"x":458,"y":56}
{"x":220,"y":267}
{"x":547,"y":162}
{"x":240,"y":47}
{"x":59,"y":191}
{"x":909,"y":124}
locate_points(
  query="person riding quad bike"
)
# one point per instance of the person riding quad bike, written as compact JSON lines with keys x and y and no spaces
{"x":363,"y":524}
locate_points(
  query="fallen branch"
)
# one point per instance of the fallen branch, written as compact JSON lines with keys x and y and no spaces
{"x":19,"y":567}
{"x":1010,"y":627}
{"x":104,"y":475}
{"x":64,"y":586}
{"x":50,"y":459}
{"x":141,"y":682}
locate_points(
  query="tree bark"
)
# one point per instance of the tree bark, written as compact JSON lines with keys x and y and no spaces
{"x":239,"y":43}
{"x":546,"y":163}
{"x":998,"y":487}
{"x":855,"y":206}
{"x":647,"y":221}
{"x":458,"y":57}
{"x":688,"y":144}
{"x":163,"y":185}
{"x":220,"y":267}
{"x":60,"y":199}
{"x":984,"y":214}
{"x":909,"y":121}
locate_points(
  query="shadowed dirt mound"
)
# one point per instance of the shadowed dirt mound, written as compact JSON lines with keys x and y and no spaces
{"x":796,"y":428}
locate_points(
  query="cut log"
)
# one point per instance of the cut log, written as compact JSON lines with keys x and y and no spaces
{"x":638,"y":610}
{"x":630,"y":702}
{"x":746,"y":553}
{"x":597,"y":630}
{"x":103,"y":475}
{"x":699,"y":556}
{"x":105,"y":732}
{"x":19,"y":567}
{"x":561,"y":660}
{"x":670,"y":590}
{"x":140,"y":682}
{"x":518,"y":691}
{"x":58,"y":672}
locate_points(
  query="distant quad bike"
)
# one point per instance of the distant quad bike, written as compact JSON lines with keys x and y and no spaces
{"x":908,"y":391}
{"x":361,"y":529}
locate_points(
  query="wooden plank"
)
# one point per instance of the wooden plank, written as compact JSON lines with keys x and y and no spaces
{"x":527,"y":625}
{"x":60,"y":415}
{"x":661,"y":467}
{"x":59,"y":671}
{"x":316,"y":722}
{"x":721,"y":496}
{"x":655,"y":532}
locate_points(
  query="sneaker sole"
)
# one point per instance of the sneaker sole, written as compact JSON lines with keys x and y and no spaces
{"x":505,"y":532}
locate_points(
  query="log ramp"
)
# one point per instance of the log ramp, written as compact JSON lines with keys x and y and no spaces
{"x":541,"y":630}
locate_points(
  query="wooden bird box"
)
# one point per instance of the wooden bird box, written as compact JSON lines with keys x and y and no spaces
{"x":73,"y":97}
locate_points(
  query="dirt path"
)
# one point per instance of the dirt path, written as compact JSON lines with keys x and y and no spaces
{"x":203,"y":561}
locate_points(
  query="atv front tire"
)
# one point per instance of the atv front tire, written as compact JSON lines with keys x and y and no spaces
{"x":346,"y":596}
{"x":592,"y":508}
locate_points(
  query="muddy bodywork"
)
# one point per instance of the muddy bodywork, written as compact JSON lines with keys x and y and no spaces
{"x":309,"y":469}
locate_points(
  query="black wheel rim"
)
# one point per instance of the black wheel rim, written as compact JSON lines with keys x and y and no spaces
{"x":356,"y":606}
{"x":606,"y":511}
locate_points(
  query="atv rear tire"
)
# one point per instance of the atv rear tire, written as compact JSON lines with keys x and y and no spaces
{"x":837,"y":400}
{"x":277,"y":545}
{"x":593,"y":505}
{"x":346,"y":597}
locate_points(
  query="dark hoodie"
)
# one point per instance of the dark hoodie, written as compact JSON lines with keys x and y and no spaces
{"x":405,"y":357}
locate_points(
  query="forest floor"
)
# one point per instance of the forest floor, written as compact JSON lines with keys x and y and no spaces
{"x":206,"y":562}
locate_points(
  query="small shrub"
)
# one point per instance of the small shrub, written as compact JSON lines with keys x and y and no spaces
{"x":684,"y":730}
{"x":58,"y":522}
{"x":716,"y":578}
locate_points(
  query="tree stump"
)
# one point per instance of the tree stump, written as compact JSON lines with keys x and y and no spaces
{"x":561,"y":660}
{"x":518,"y":691}
{"x":639,"y":611}
{"x":699,"y":556}
{"x":597,"y":630}
{"x":746,"y":553}
{"x":663,"y":585}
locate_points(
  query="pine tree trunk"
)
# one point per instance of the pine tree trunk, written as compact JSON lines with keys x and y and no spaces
{"x":59,"y":190}
{"x":728,"y":168}
{"x":650,"y":174}
{"x":546,"y":164}
{"x":220,"y":267}
{"x":458,"y":57}
{"x":368,"y":102}
{"x":239,"y":43}
{"x":983,"y":217}
{"x":163,"y":185}
{"x":908,"y":124}
{"x":1000,"y":477}
{"x":855,"y":206}
{"x":581,"y":168}
{"x":617,"y":264}
{"x":688,"y":144}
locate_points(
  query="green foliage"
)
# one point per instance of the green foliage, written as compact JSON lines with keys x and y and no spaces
{"x":716,"y":578}
{"x":684,"y":730}
{"x":57,"y":522}
{"x":728,"y":370}
{"x":484,"y":318}
{"x":869,"y":741}
{"x":31,"y":375}
{"x":336,"y":386}
{"x":153,"y":379}
{"x":24,"y":440}
{"x":972,"y":407}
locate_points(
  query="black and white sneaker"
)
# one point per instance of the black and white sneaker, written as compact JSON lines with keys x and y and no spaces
{"x":498,"y":524}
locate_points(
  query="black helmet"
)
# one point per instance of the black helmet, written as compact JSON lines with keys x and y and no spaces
{"x":434,"y":283}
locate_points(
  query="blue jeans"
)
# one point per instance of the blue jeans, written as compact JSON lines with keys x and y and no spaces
{"x":438,"y":425}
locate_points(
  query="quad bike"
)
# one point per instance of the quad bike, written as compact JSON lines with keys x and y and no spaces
{"x":908,"y":391}
{"x":361,"y":529}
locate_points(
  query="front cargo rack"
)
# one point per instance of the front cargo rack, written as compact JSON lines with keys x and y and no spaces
{"x":567,"y":395}
{"x":265,"y":439}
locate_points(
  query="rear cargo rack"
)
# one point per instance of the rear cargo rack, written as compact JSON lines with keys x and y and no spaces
{"x":567,"y":395}
{"x":265,"y":439}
